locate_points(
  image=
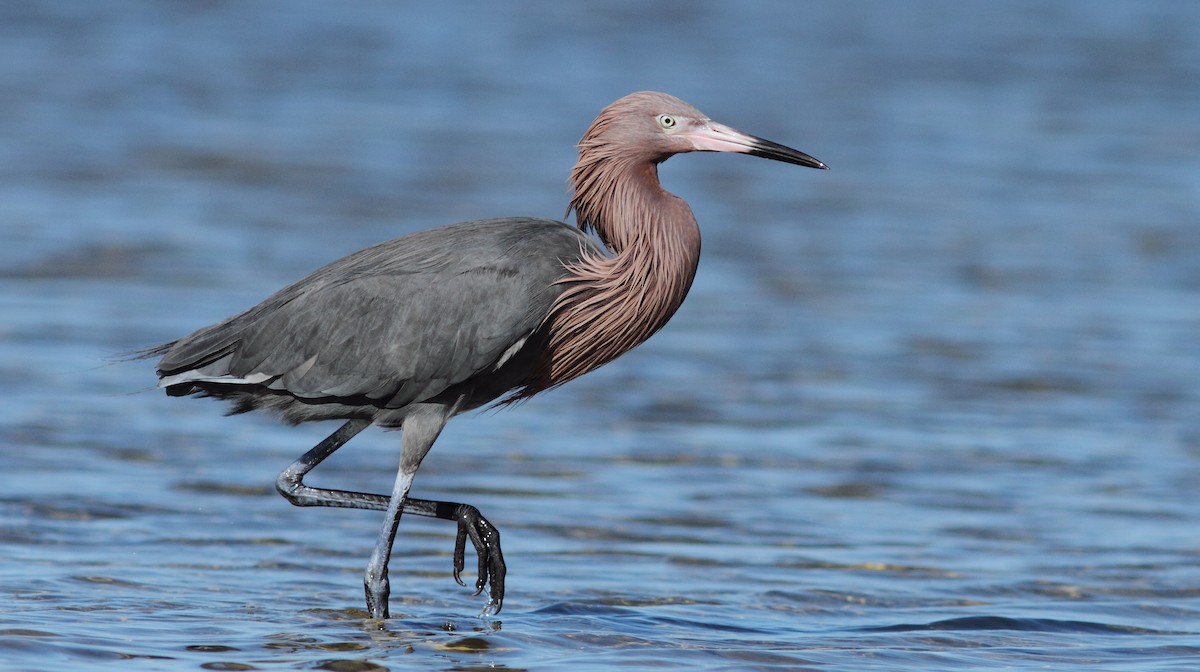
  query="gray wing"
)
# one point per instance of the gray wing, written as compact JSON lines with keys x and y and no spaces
{"x":395,"y":323}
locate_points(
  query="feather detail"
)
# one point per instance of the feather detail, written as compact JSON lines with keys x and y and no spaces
{"x":613,"y":303}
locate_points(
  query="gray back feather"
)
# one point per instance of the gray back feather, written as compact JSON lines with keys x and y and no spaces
{"x":390,"y":325}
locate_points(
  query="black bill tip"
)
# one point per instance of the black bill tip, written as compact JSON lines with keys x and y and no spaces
{"x":777,"y":152}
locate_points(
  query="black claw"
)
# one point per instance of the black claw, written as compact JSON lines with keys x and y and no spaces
{"x":460,"y":550}
{"x":486,"y":540}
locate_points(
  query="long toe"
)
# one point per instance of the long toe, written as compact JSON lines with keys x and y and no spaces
{"x":497,"y":569}
{"x":491,"y":568}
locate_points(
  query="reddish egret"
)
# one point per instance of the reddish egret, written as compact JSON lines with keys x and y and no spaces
{"x":411,"y":332}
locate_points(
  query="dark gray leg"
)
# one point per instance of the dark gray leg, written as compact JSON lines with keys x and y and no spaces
{"x":422,"y":424}
{"x":290,"y":482}
{"x":471,"y":524}
{"x":375,"y":580}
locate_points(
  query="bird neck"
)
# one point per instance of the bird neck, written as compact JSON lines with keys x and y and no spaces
{"x":613,"y":303}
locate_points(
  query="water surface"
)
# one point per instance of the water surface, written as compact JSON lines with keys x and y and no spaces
{"x":935,"y":409}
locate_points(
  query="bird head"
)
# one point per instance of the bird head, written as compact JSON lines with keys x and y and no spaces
{"x":655,"y":126}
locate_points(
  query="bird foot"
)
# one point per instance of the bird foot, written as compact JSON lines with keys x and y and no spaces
{"x":486,"y":539}
{"x":377,"y":589}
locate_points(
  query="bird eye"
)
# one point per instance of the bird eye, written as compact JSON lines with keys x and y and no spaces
{"x":666,"y":121}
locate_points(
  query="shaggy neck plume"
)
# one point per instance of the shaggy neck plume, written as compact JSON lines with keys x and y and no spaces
{"x":613,"y":303}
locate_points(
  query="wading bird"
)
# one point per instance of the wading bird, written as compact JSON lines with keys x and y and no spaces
{"x":413,"y":331}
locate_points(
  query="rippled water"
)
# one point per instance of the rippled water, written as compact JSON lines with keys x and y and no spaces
{"x":933,"y":410}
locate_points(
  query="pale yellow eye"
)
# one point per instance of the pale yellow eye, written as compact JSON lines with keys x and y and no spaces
{"x":666,"y":121}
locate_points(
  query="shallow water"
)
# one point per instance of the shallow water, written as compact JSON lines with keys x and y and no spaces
{"x":933,"y":409}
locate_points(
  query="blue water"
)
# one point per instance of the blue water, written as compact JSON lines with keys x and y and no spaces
{"x":936,"y":409}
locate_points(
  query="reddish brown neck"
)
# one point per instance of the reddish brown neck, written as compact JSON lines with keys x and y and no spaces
{"x":613,"y":303}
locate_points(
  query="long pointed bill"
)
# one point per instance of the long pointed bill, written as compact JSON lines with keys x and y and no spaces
{"x":714,"y":137}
